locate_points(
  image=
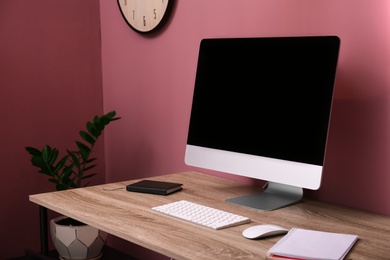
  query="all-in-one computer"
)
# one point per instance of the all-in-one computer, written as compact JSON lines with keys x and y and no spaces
{"x":261,"y":109}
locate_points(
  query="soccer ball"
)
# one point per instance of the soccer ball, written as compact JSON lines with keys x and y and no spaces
{"x":76,"y":241}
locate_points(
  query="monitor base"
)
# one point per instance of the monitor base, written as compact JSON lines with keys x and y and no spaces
{"x":275,"y":196}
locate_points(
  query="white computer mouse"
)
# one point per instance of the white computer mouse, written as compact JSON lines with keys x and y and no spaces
{"x":264,"y":230}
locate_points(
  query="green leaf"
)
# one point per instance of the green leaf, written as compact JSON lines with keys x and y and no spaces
{"x":38,"y":161}
{"x":84,"y":150}
{"x":105,"y":120}
{"x":46,"y":153}
{"x":69,"y":183}
{"x":96,"y":120}
{"x":111,"y":114}
{"x":98,"y":125}
{"x":64,"y":176}
{"x":88,"y":176}
{"x":89,"y":167}
{"x":90,"y":160}
{"x":116,"y":118}
{"x":33,"y":151}
{"x":60,"y":164}
{"x":53,"y":157}
{"x":75,"y":159}
{"x":87,"y":137}
{"x":92,"y":130}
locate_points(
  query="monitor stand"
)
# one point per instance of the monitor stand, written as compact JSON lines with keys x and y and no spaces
{"x":275,"y":196}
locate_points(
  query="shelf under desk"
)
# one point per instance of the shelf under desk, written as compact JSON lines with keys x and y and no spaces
{"x":127,"y":215}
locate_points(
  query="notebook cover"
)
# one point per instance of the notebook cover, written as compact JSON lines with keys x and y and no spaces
{"x":311,"y":244}
{"x":154,"y":187}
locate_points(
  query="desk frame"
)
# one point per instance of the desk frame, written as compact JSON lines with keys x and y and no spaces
{"x":43,"y":231}
{"x":127,"y":215}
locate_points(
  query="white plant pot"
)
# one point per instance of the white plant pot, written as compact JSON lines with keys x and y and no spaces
{"x":77,"y":242}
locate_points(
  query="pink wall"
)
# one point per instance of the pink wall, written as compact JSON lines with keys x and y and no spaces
{"x":50,"y":78}
{"x":150,"y":79}
{"x":50,"y":62}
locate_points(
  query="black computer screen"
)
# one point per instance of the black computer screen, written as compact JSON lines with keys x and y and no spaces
{"x":265,"y":96}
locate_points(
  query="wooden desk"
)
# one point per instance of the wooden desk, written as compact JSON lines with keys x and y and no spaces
{"x":128,"y":215}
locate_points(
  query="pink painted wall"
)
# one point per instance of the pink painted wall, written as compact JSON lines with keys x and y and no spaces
{"x":50,"y":61}
{"x":150,"y":79}
{"x":51,"y":84}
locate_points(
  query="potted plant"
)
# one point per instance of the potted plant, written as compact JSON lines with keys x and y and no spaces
{"x":68,"y":172}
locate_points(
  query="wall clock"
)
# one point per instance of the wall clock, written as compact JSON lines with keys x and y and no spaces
{"x":145,"y":15}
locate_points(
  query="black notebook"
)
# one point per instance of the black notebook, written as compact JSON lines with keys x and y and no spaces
{"x":154,"y":187}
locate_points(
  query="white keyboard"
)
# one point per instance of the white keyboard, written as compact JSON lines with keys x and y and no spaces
{"x":201,"y":215}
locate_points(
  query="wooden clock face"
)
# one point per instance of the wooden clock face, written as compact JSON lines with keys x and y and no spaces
{"x":144,"y":15}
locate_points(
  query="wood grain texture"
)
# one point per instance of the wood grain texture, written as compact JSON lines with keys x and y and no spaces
{"x":127,"y":215}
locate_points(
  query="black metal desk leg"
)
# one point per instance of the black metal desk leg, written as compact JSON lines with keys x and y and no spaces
{"x":43,"y":231}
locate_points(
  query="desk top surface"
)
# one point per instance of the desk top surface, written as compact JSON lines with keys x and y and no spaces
{"x":128,"y":215}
